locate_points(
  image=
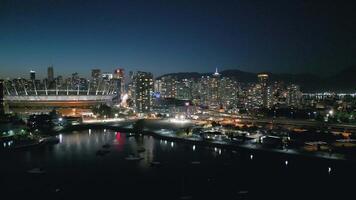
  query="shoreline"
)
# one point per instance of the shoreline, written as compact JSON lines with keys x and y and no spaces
{"x":209,"y":143}
{"x":231,"y":146}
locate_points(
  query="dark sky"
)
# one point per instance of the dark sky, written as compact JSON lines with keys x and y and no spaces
{"x":170,"y":36}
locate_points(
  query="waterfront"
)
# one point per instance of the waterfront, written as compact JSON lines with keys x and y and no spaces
{"x":73,"y":168}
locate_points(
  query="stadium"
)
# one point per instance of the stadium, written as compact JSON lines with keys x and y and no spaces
{"x":17,"y":95}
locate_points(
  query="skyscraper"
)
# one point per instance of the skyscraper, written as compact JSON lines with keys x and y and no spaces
{"x":184,"y":89}
{"x":228,"y":92}
{"x":50,"y":73}
{"x":215,"y":87}
{"x":294,"y":95}
{"x":143,"y":88}
{"x":2,"y":106}
{"x":119,"y":77}
{"x":32,"y":75}
{"x":263,"y":80}
{"x":95,"y":73}
{"x":168,"y":87}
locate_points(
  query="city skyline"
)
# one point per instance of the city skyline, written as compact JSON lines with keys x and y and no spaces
{"x":177,"y":99}
{"x":176,"y":36}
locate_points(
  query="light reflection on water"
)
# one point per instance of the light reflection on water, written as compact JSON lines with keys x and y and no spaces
{"x":76,"y":155}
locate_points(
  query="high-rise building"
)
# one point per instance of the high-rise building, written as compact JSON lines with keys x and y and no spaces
{"x":184,"y":89}
{"x":107,"y":76}
{"x":119,"y":73}
{"x":119,"y":76}
{"x":228,"y":92}
{"x":143,"y":89}
{"x":158,"y":86}
{"x":32,"y":75}
{"x":95,"y":74}
{"x":215,"y":88}
{"x":209,"y":90}
{"x":294,"y":96}
{"x":204,"y":91}
{"x":168,"y":87}
{"x":50,"y":73}
{"x":263,"y":81}
{"x":75,"y":81}
{"x":2,"y":106}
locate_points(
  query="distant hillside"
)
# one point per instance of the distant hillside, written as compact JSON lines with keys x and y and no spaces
{"x":344,"y":81}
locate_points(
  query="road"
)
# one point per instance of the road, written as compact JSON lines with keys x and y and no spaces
{"x":302,"y":123}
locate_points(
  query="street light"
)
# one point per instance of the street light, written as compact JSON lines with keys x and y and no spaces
{"x":331,"y":112}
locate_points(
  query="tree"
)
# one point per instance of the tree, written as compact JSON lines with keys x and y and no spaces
{"x":103,"y":110}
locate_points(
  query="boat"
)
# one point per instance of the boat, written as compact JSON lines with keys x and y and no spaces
{"x":133,"y":158}
{"x":36,"y":171}
{"x":49,"y":140}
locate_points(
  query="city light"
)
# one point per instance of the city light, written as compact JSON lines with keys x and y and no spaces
{"x":175,"y":99}
{"x":331,"y":112}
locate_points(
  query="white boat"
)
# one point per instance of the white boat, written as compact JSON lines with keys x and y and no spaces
{"x":50,"y":140}
{"x":133,"y":158}
{"x":36,"y":171}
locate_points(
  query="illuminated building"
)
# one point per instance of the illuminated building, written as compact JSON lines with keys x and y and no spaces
{"x":265,"y":90}
{"x":2,"y":106}
{"x":184,"y":89}
{"x":50,"y":73}
{"x":209,"y":90}
{"x":294,"y":96}
{"x":158,"y":86}
{"x":204,"y":91}
{"x":168,"y":87}
{"x":95,"y":73}
{"x":107,"y":76}
{"x":253,"y":96}
{"x":215,"y":89}
{"x":262,"y":79}
{"x":73,"y":92}
{"x":32,"y":75}
{"x":228,"y":92}
{"x":119,"y":78}
{"x":142,"y":91}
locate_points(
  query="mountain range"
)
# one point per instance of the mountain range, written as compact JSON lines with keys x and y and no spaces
{"x":343,"y":81}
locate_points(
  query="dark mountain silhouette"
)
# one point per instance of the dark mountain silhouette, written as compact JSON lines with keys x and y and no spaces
{"x":344,"y":81}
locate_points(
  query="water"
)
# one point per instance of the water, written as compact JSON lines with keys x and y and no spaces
{"x":73,"y":169}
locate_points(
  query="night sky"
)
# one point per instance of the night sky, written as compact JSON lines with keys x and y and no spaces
{"x":176,"y":36}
